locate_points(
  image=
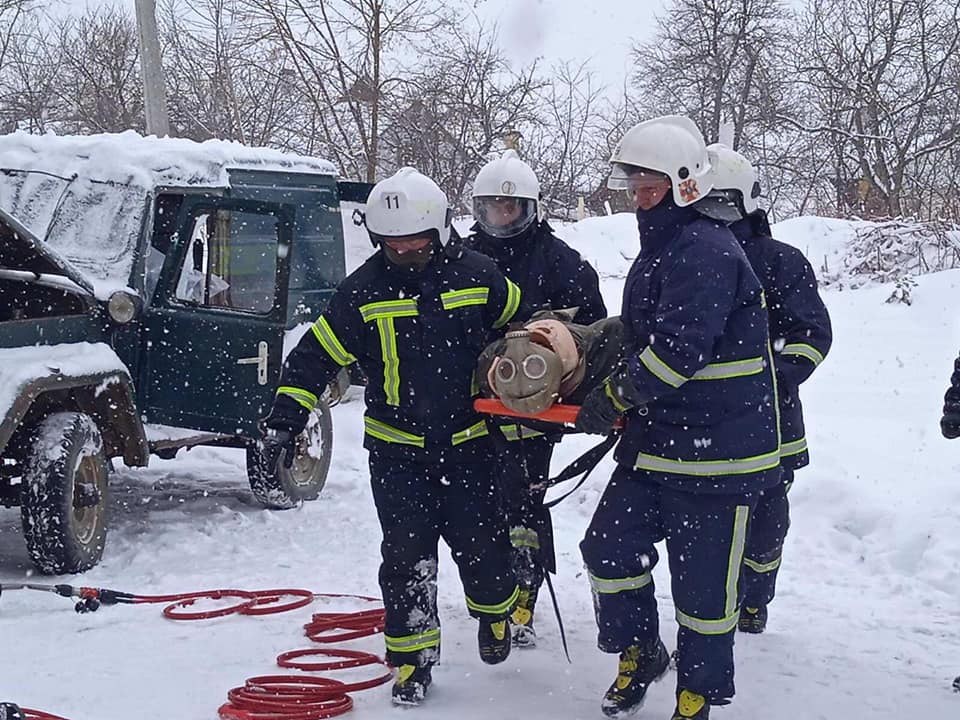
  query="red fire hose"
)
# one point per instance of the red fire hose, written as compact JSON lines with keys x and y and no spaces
{"x":39,"y":715}
{"x":266,"y":697}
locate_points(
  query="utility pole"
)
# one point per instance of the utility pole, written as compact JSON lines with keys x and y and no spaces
{"x":154,"y":91}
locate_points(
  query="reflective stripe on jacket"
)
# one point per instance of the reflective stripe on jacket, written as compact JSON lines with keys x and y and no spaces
{"x":697,"y":344}
{"x":416,"y":336}
{"x":800,"y":328}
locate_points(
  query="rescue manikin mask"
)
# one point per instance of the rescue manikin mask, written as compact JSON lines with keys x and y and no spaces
{"x":539,"y":364}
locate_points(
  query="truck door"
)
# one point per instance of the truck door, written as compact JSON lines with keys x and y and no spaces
{"x":214,"y":330}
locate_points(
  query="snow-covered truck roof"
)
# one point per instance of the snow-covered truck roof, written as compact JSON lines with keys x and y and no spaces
{"x":87,"y":196}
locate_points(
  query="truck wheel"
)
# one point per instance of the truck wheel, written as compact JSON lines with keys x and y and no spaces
{"x":64,"y":494}
{"x":280,"y":488}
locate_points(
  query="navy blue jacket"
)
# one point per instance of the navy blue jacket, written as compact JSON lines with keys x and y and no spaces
{"x":548,"y":271}
{"x":799,"y":324}
{"x":697,"y":344}
{"x":417,"y":336}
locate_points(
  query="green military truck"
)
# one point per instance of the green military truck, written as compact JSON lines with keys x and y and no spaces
{"x":147,"y":289}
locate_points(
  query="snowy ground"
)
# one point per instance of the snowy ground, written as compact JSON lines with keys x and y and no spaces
{"x":866,"y":623}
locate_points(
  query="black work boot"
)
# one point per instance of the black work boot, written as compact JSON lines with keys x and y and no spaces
{"x":753,"y":619}
{"x":639,"y":668}
{"x":494,"y":641}
{"x":521,"y":620}
{"x":411,"y":684}
{"x":691,"y":706}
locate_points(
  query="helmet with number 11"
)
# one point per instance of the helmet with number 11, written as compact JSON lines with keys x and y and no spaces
{"x":408,"y":216}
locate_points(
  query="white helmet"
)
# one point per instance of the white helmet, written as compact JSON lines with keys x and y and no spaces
{"x":733,"y":172}
{"x":407,"y":203}
{"x":506,"y":177}
{"x":672,"y":145}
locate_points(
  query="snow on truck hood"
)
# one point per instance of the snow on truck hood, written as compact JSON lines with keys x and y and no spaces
{"x":86,"y":197}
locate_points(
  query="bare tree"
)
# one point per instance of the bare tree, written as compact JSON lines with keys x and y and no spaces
{"x":881,"y":81}
{"x":28,"y":67}
{"x":451,"y":112}
{"x":346,"y":54}
{"x":715,"y":61}
{"x":564,"y":150}
{"x":12,"y":15}
{"x":227,"y":80}
{"x":98,"y":89}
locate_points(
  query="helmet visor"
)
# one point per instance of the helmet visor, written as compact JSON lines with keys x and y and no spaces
{"x":634,"y":179}
{"x":504,"y":217}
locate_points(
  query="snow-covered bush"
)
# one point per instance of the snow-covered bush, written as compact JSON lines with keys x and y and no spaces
{"x":893,"y":250}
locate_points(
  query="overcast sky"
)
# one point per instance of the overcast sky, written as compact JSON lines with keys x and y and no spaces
{"x":597,"y":30}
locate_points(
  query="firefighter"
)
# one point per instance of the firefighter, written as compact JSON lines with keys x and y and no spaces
{"x":509,"y":228}
{"x":950,"y":422}
{"x":950,"y":428}
{"x":701,"y":439}
{"x":801,"y":335}
{"x":415,"y":316}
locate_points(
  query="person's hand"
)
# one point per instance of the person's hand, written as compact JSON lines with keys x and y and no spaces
{"x":9,"y":711}
{"x":598,"y":412}
{"x":278,"y":445}
{"x":950,"y":422}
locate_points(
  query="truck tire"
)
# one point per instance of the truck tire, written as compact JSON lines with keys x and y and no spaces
{"x":64,"y":495}
{"x":281,"y":489}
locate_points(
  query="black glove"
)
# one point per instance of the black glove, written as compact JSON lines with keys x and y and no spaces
{"x":606,"y":403}
{"x":277,"y":445}
{"x":597,"y":413}
{"x":9,"y":711}
{"x":950,"y":422}
{"x":280,"y":428}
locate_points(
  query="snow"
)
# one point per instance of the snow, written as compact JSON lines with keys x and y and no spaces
{"x":75,"y":183}
{"x":866,"y":623}
{"x":20,"y":366}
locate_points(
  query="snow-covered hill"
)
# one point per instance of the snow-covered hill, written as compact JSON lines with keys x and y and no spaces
{"x":866,"y":623}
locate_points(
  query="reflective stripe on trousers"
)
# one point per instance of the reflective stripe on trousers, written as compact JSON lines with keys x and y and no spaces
{"x":731,"y":613}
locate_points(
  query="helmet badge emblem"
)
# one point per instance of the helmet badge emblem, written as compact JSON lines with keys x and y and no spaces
{"x":689,"y":190}
{"x":508,"y":187}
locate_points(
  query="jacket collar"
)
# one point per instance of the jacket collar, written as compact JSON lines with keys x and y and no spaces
{"x":506,"y":249}
{"x":754,"y":226}
{"x":661,"y":224}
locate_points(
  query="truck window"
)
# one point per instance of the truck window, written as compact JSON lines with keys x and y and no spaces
{"x":231,"y":262}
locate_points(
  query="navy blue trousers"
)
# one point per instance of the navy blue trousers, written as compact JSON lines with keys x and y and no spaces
{"x":706,"y":535}
{"x":523,"y":469}
{"x":417,"y":504}
{"x":768,"y":530}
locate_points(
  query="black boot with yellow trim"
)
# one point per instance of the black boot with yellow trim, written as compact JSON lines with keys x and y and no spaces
{"x":639,"y":668}
{"x":411,"y":683}
{"x":691,"y":706}
{"x":521,"y":620}
{"x":753,"y":619}
{"x":493,"y":639}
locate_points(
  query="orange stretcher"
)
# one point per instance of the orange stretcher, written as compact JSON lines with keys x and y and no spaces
{"x":558,"y":413}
